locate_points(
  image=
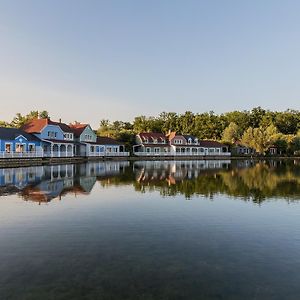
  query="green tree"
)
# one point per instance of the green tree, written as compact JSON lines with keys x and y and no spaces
{"x":231,"y":133}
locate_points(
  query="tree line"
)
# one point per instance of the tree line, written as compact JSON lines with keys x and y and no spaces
{"x":257,"y":128}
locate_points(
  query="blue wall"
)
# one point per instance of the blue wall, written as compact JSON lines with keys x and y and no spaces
{"x":19,"y":140}
{"x":51,"y":128}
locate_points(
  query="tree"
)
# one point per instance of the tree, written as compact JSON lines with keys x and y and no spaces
{"x":260,"y":138}
{"x":231,"y":133}
{"x":44,"y":115}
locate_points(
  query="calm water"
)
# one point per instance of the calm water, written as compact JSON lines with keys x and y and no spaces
{"x":151,"y":230}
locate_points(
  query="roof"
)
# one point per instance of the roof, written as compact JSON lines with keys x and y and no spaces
{"x":37,"y":125}
{"x":13,"y":133}
{"x":78,"y":128}
{"x":213,"y":144}
{"x":152,"y":136}
{"x":188,"y":136}
{"x":101,"y":140}
{"x":58,"y":141}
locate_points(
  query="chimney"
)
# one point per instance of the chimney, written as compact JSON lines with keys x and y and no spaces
{"x":59,"y":120}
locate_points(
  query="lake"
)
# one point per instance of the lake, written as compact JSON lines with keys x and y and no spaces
{"x":151,"y":230}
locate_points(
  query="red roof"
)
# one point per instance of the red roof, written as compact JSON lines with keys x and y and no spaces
{"x":151,"y":136}
{"x":37,"y":125}
{"x":78,"y":128}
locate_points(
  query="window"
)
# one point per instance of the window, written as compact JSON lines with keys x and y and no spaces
{"x":190,"y":141}
{"x":156,"y":150}
{"x":20,"y":148}
{"x":7,"y":148}
{"x":31,"y":147}
{"x":92,"y":148}
{"x":52,"y":134}
{"x":148,"y":149}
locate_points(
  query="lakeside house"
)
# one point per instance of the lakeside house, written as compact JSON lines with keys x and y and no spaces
{"x":18,"y":143}
{"x":173,"y":144}
{"x":57,"y":138}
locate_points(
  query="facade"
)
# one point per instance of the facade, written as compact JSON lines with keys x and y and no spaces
{"x":173,"y":144}
{"x":110,"y":147}
{"x":90,"y":145}
{"x":85,"y":139}
{"x":185,"y":144}
{"x":152,"y":144}
{"x":239,"y":149}
{"x":57,"y":138}
{"x":18,"y":143}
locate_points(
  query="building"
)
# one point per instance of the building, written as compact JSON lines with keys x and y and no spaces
{"x":85,"y":139}
{"x":173,"y":144}
{"x":151,"y":144}
{"x":239,"y":149}
{"x":18,"y":143}
{"x":57,"y":138}
{"x":185,"y":145}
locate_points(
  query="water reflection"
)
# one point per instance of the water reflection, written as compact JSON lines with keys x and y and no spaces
{"x":246,"y":179}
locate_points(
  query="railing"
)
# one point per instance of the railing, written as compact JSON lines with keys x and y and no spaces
{"x":107,"y":154}
{"x":21,"y":154}
{"x":182,"y":154}
{"x":58,"y":154}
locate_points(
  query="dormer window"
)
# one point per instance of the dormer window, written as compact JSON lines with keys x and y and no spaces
{"x":155,"y":141}
{"x":196,"y":141}
{"x":146,"y":140}
{"x":189,"y":140}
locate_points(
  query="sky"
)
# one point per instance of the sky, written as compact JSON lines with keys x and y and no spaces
{"x":88,"y":60}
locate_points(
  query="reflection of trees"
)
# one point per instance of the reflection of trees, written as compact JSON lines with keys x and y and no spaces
{"x":257,"y":183}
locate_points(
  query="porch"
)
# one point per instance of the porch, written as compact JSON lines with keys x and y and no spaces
{"x":58,"y":149}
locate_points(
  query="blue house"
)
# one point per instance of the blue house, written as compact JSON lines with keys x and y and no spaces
{"x":18,"y":143}
{"x":57,"y":138}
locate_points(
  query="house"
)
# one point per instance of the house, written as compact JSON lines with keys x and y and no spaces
{"x":214,"y":148}
{"x":110,"y":147}
{"x":273,"y":150}
{"x":85,"y":138}
{"x":90,"y":145}
{"x":173,"y":144}
{"x":57,"y":137}
{"x":239,"y":149}
{"x":18,"y":143}
{"x":184,"y":144}
{"x":151,"y":144}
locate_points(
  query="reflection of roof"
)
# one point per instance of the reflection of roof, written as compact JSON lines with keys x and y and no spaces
{"x":36,"y":125}
{"x":33,"y":193}
{"x":13,"y":133}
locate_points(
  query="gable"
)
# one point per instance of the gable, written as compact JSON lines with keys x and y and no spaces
{"x":20,"y":138}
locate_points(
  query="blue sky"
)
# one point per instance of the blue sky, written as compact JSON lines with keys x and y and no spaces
{"x":89,"y":60}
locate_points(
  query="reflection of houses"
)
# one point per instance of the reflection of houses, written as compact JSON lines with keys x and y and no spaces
{"x":57,"y":138}
{"x":18,"y":143}
{"x":175,"y":171}
{"x":44,"y":183}
{"x":173,"y":144}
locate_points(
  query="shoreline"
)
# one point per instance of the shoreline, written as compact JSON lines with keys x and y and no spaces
{"x":27,"y":162}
